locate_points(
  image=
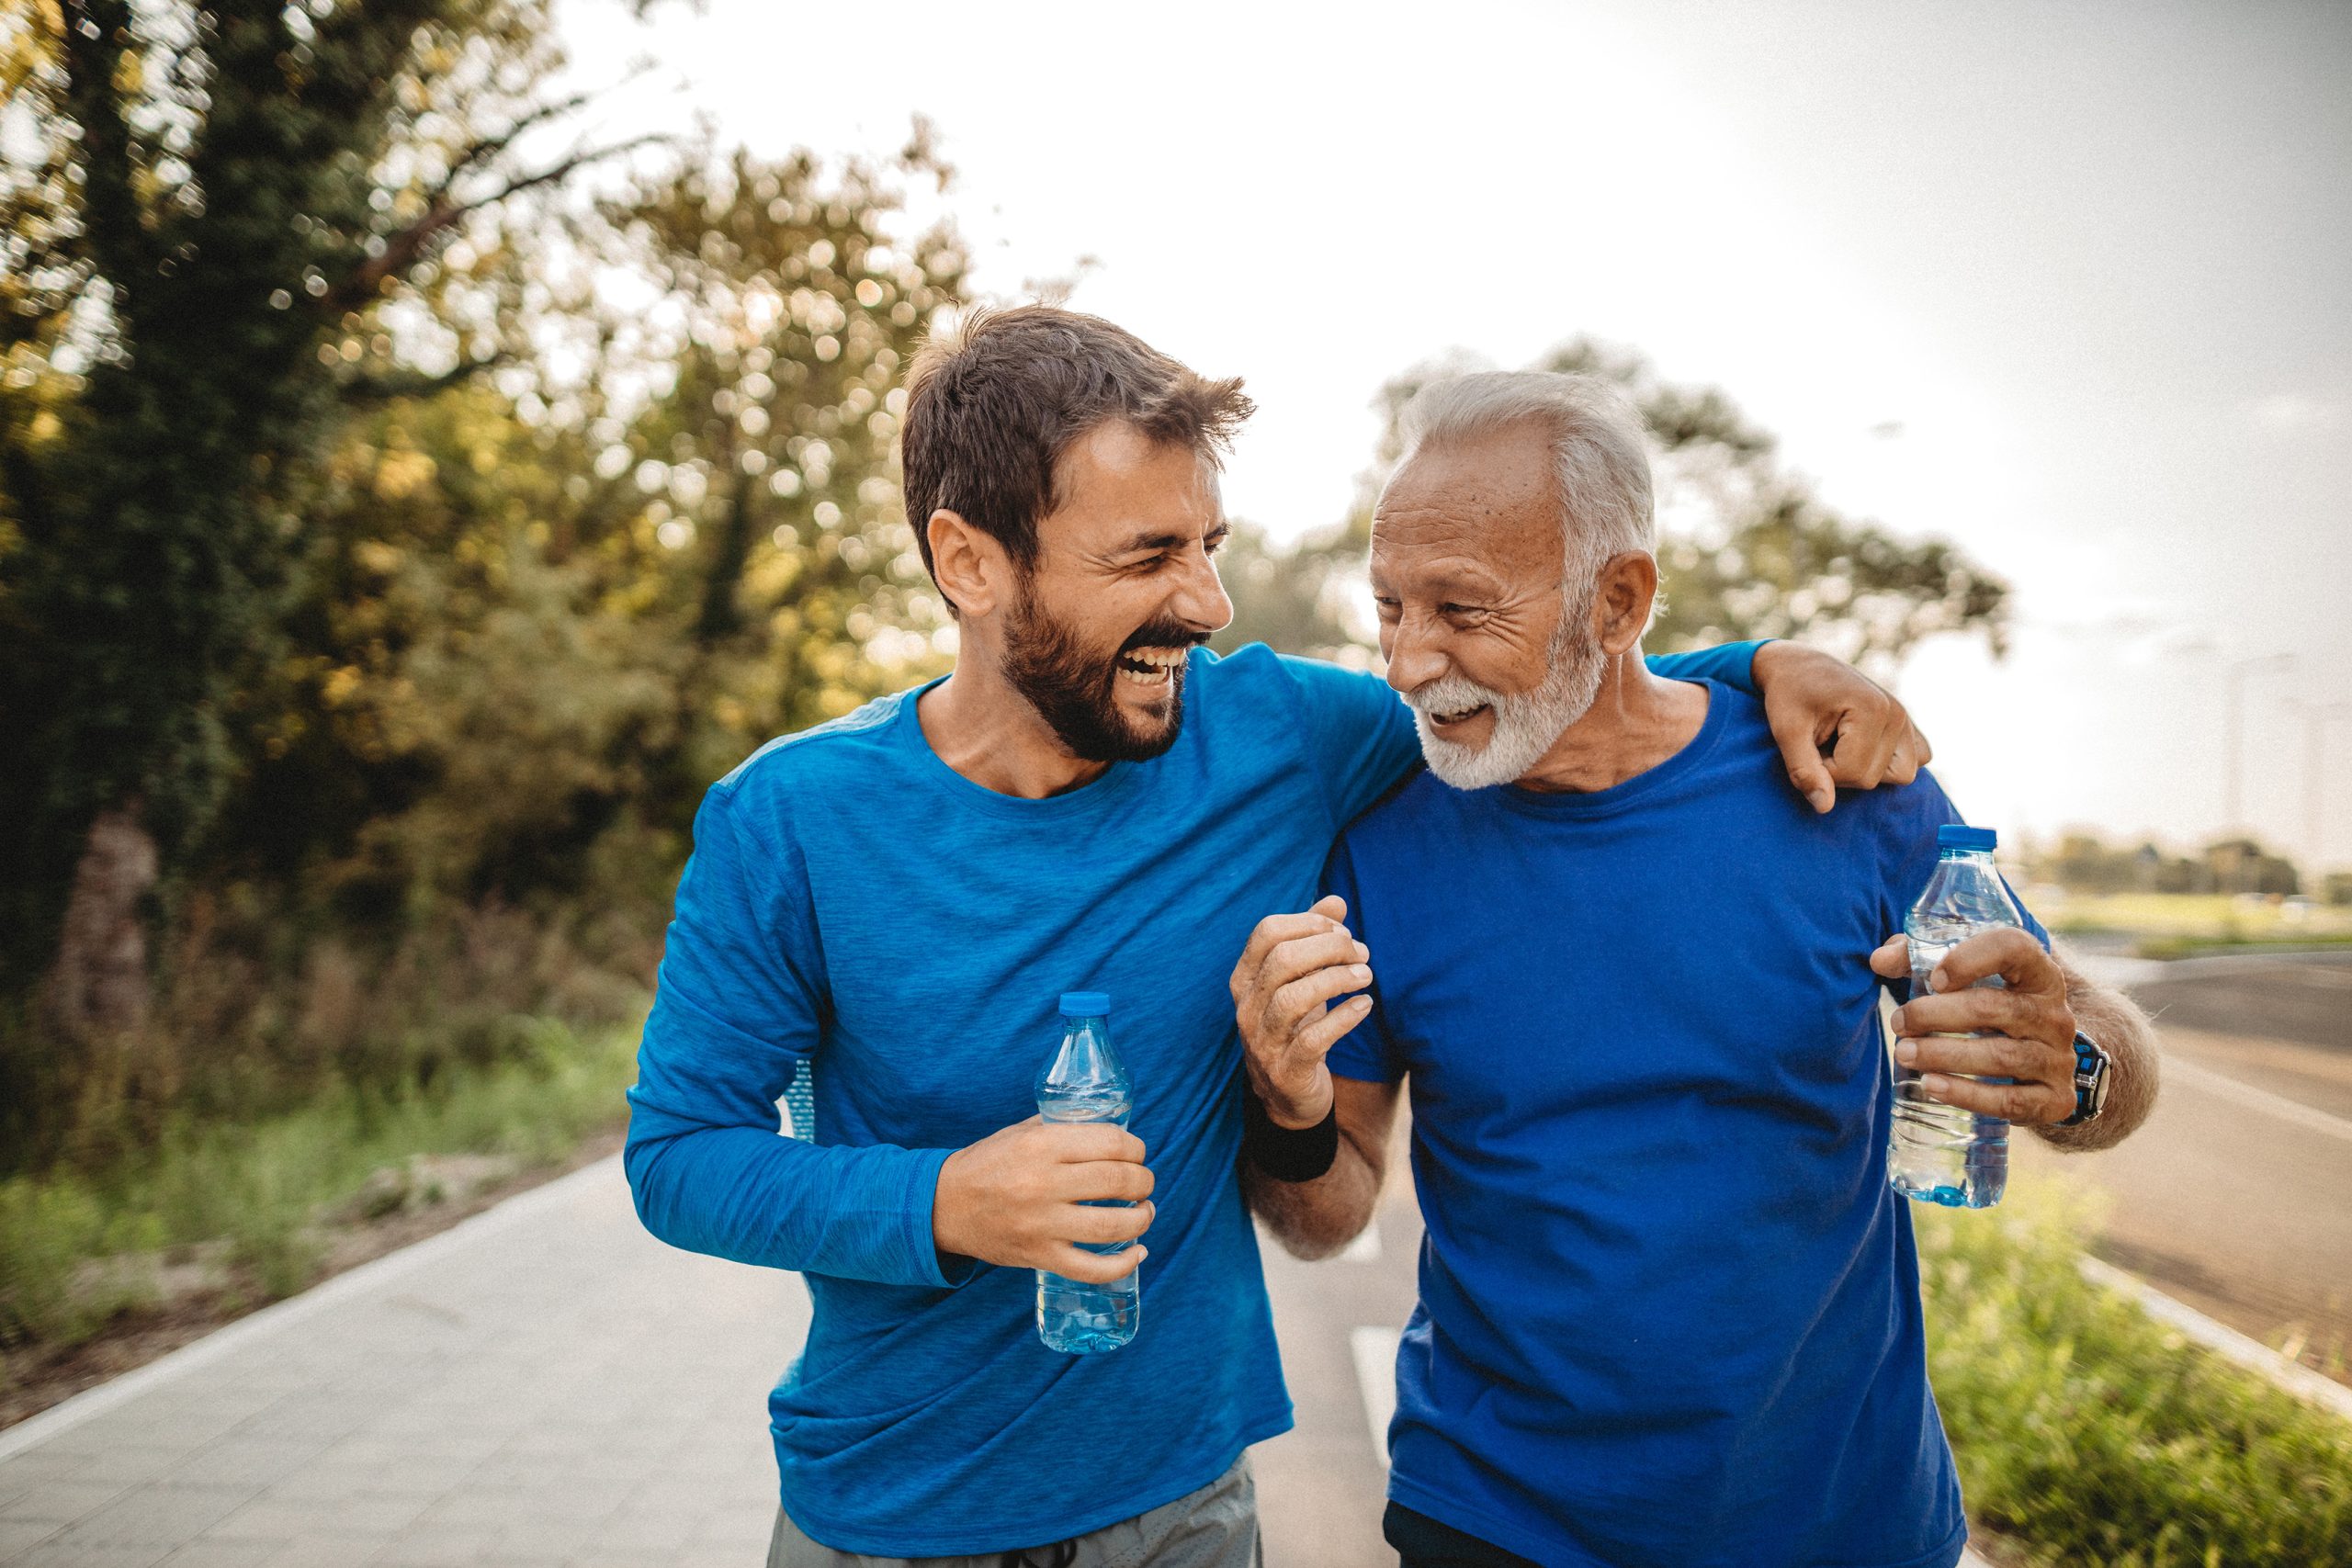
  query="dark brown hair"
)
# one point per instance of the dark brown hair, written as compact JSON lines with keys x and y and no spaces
{"x":992,"y":406}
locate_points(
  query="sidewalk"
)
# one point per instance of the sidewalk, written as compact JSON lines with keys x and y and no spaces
{"x":544,"y":1384}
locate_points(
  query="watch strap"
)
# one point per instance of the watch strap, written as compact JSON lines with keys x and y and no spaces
{"x":2091,"y":1065}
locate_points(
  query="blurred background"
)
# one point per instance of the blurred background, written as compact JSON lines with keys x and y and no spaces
{"x":437,"y":437}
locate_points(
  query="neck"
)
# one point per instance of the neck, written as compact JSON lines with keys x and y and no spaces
{"x":986,"y":731}
{"x":1637,"y":721}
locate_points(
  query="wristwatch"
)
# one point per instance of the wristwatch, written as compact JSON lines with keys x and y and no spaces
{"x":2091,"y":1080}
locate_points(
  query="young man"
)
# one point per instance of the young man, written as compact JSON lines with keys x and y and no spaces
{"x":1669,"y":1309}
{"x":893,"y":903}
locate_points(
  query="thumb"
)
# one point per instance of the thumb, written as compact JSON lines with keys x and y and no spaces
{"x":1800,"y":754}
{"x":1892,"y":958}
{"x":1331,"y":907}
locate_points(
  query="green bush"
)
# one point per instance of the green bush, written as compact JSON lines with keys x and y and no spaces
{"x":2093,"y":1433}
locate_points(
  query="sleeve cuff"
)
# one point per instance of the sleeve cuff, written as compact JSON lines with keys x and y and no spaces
{"x":941,"y":1271}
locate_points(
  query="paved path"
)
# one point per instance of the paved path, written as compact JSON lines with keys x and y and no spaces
{"x":543,"y":1384}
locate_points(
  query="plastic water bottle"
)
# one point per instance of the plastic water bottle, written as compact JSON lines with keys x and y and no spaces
{"x":1084,"y":1082}
{"x":1940,"y":1153}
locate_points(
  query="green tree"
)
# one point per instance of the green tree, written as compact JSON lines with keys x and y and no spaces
{"x":1747,"y":549}
{"x":214,"y":214}
{"x":616,"y":577}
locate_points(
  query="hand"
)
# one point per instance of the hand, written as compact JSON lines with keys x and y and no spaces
{"x":1293,"y":966}
{"x":2030,"y":1025}
{"x":1016,"y":1197}
{"x":1837,"y":728}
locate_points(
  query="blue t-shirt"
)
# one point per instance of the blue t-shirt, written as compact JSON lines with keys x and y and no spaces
{"x":855,"y":905}
{"x":1670,"y":1308}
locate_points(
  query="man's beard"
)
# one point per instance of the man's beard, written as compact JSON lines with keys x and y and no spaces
{"x":1076,"y":692}
{"x":1525,"y":725}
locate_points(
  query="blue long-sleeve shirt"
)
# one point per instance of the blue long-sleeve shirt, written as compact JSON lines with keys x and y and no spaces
{"x":855,"y":906}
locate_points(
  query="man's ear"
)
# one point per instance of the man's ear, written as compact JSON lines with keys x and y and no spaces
{"x":972,"y":568}
{"x":1626,"y":589}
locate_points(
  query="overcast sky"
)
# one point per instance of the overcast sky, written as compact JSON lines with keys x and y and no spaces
{"x":2091,"y":265}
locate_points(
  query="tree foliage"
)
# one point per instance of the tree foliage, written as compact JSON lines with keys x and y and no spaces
{"x":213,"y":216}
{"x":615,"y":580}
{"x":1748,"y":548}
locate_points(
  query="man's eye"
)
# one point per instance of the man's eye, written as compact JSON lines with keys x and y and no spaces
{"x":1215,"y":541}
{"x":1387,"y":607}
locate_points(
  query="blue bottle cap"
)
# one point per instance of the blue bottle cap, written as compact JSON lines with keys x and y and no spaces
{"x":1086,"y":1004}
{"x":1958,"y":836}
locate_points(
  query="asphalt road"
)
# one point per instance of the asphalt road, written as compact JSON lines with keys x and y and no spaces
{"x":2236,"y":1197}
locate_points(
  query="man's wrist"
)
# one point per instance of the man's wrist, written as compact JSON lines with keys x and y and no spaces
{"x":1289,"y":1117}
{"x":1288,"y":1154}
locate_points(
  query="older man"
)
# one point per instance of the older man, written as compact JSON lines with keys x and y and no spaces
{"x":1669,"y":1309}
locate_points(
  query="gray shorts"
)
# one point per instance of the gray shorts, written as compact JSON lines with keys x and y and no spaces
{"x":1215,"y":1527}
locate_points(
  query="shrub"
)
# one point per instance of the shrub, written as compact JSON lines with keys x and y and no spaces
{"x":2096,"y":1436}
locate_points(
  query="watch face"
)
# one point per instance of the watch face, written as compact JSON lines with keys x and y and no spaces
{"x":2099,"y":1085}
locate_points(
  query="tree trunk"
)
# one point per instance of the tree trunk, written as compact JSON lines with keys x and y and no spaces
{"x":99,"y":986}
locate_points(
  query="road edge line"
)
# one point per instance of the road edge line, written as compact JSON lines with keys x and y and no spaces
{"x":1373,"y":1348}
{"x":92,"y":1403}
{"x":2222,"y":1339}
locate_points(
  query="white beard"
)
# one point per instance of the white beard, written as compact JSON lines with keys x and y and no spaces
{"x":1525,"y":724}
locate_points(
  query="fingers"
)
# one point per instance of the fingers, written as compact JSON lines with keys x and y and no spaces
{"x":2029,"y":1102}
{"x":1989,"y":1056}
{"x":1799,"y":736}
{"x":1093,"y":1226}
{"x":1892,"y":958}
{"x":1079,"y":1142}
{"x":2011,"y":953}
{"x":1327,"y":914}
{"x":1317,"y":1039}
{"x":1303,"y":956}
{"x":1102,"y":1178}
{"x":1093,"y":1268}
{"x":1910,"y":755}
{"x":1291,"y":1007}
{"x":1968,"y":1011}
{"x":1866,"y":743}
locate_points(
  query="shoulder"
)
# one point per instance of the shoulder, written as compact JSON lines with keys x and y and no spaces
{"x":1252,"y":694}
{"x":813,"y":776}
{"x":1403,"y":814}
{"x":816,"y":754}
{"x":1896,"y":813}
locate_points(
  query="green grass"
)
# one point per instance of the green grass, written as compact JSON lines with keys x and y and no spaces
{"x":260,"y":1187}
{"x":2194,"y":947}
{"x":2092,"y":1435}
{"x":2193,"y":917}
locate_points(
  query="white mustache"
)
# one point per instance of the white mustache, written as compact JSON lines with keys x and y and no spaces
{"x":1452,"y":693}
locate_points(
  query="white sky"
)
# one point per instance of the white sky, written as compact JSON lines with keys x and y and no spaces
{"x":2095,"y":260}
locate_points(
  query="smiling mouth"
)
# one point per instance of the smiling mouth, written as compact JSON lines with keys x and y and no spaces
{"x":1448,"y":720}
{"x":1151,"y":667}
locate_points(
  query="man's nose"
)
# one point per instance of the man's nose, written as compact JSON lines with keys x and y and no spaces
{"x":1201,"y":600}
{"x":1414,"y":657}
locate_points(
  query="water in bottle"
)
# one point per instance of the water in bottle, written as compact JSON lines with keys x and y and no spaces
{"x":1084,"y":1082}
{"x":1939,"y":1153}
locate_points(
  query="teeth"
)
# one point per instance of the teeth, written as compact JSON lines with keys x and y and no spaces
{"x":1156,"y":678}
{"x":1166,"y":658}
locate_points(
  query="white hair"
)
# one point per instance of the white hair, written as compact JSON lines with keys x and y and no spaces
{"x":1600,"y":452}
